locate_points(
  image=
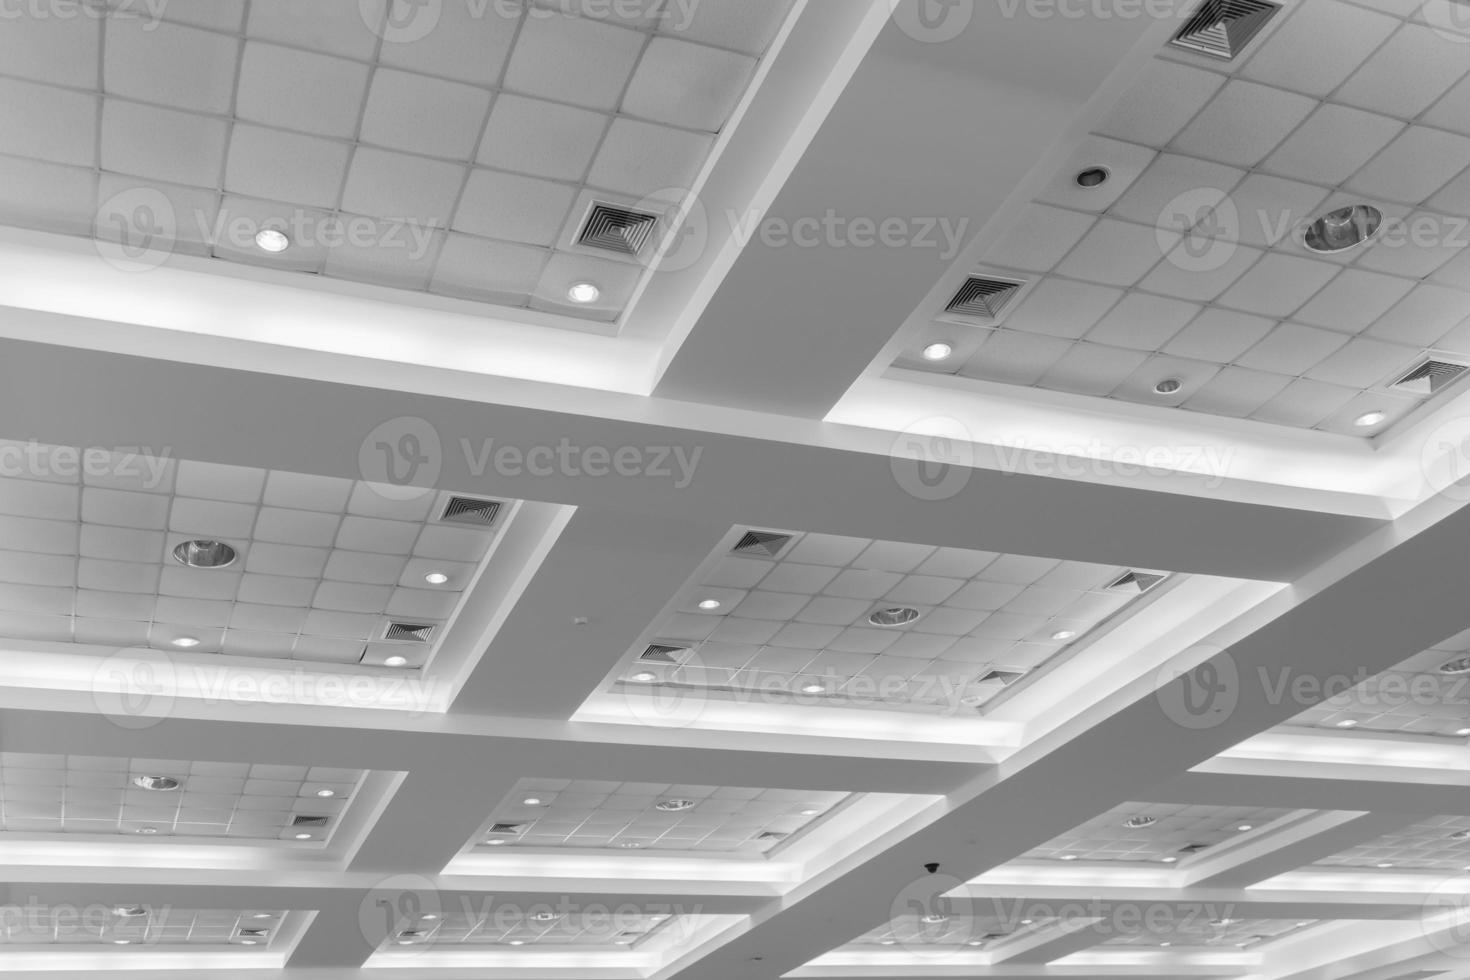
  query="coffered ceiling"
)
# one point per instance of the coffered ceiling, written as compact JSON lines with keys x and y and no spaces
{"x":376,"y":608}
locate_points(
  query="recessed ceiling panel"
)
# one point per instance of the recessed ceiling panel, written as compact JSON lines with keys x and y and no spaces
{"x":545,"y":927}
{"x":138,"y":928}
{"x":1154,"y":833}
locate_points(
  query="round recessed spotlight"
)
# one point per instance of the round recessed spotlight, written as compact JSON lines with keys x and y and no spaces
{"x":1064,"y":635}
{"x":1460,"y":665}
{"x":205,"y":554}
{"x":185,"y":642}
{"x":894,"y":616}
{"x":436,"y":578}
{"x":1092,"y":177}
{"x":1168,"y":386}
{"x":887,"y":942}
{"x":496,"y":842}
{"x":674,"y":806}
{"x":261,"y":915}
{"x":1165,"y":944}
{"x":543,"y":917}
{"x":645,"y":677}
{"x":1462,"y":732}
{"x":1384,"y":864}
{"x":129,"y":911}
{"x":247,"y":942}
{"x":940,"y":351}
{"x":814,"y":688}
{"x":405,"y":942}
{"x":813,"y":812}
{"x":147,"y":830}
{"x":395,"y":661}
{"x":326,"y":794}
{"x":1369,"y":419}
{"x":1169,"y":860}
{"x":532,"y":801}
{"x":710,"y":605}
{"x":1347,"y":723}
{"x":584,"y":292}
{"x":934,"y":919}
{"x":429,"y":916}
{"x":1460,"y":835}
{"x":121,"y":942}
{"x":1221,"y":922}
{"x":1140,"y":821}
{"x":1244,"y":827}
{"x":1342,"y":229}
{"x":975,"y":942}
{"x":303,"y":837}
{"x":272,"y":240}
{"x":158,"y":784}
{"x":1069,"y":857}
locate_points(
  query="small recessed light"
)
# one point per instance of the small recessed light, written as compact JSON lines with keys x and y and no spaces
{"x":810,"y":813}
{"x":975,"y":942}
{"x":326,"y":793}
{"x":436,"y":578}
{"x":1166,"y":943}
{"x":429,"y":916}
{"x":1244,"y":827}
{"x":1141,"y":821}
{"x":1342,"y":229}
{"x":1092,"y":177}
{"x":205,"y":554}
{"x":272,"y":240}
{"x":1221,"y":922}
{"x":129,"y":911}
{"x":261,"y":915}
{"x":1168,"y":386}
{"x":157,"y":784}
{"x":121,"y":942}
{"x":395,"y":661}
{"x":247,"y":942}
{"x":495,"y":841}
{"x":1169,"y":860}
{"x":709,"y":605}
{"x":938,"y":352}
{"x":1302,"y":925}
{"x":934,"y":920}
{"x":630,"y":844}
{"x":1385,"y":864}
{"x":894,"y":616}
{"x":1064,"y":635}
{"x":1460,"y":665}
{"x":543,"y":916}
{"x":674,"y":806}
{"x":1348,"y":723}
{"x":645,"y":677}
{"x":147,"y":830}
{"x":887,"y":942}
{"x":185,"y":642}
{"x":584,"y":292}
{"x":405,"y":942}
{"x":1069,"y":857}
{"x":303,"y":837}
{"x":813,"y":688}
{"x":622,"y":942}
{"x":1462,"y":731}
{"x":1027,"y":922}
{"x":1369,"y":419}
{"x":532,"y":801}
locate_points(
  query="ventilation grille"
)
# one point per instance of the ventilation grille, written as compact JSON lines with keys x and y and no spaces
{"x":662,"y":653}
{"x":305,"y":820}
{"x":982,"y":298}
{"x":505,"y":828}
{"x":1005,"y":677}
{"x":1193,"y":848}
{"x":409,"y":632}
{"x":1134,"y":583}
{"x":771,"y":835}
{"x":1429,"y":377}
{"x":468,"y":510}
{"x":254,"y":933}
{"x":615,"y":229}
{"x":1223,"y":28}
{"x":761,"y":544}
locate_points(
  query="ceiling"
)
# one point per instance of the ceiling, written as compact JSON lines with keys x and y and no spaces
{"x":377,"y":609}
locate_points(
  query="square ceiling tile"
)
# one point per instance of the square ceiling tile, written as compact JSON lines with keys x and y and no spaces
{"x":1423,"y":317}
{"x":1201,"y":268}
{"x":1278,"y":285}
{"x":1318,"y":47}
{"x":1244,"y":123}
{"x":1237,"y":392}
{"x":615,"y":280}
{"x":162,"y":144}
{"x":1141,"y":385}
{"x":1124,"y":163}
{"x":195,"y":211}
{"x":1332,"y":145}
{"x":170,"y":65}
{"x":398,"y":114}
{"x":1355,"y":299}
{"x":1174,"y":192}
{"x":1361,"y":363}
{"x":48,"y":123}
{"x":1219,"y":336}
{"x":387,"y":253}
{"x":282,"y":166}
{"x":300,"y":90}
{"x":232,"y":234}
{"x":546,"y":139}
{"x":1091,"y":369}
{"x":742,"y":25}
{"x":474,"y":268}
{"x":215,"y":481}
{"x":1304,"y":403}
{"x":1407,"y":75}
{"x":573,"y":59}
{"x":688,"y":85}
{"x":334,"y":27}
{"x":1117,"y":253}
{"x":1454,"y":197}
{"x":1414,"y":166}
{"x":1293,"y":349}
{"x":1039,"y":240}
{"x":1063,"y":308}
{"x":464,"y":41}
{"x":1453,"y":111}
{"x":59,"y":50}
{"x":513,"y":208}
{"x":1156,"y":107}
{"x":1268,"y":210}
{"x":1015,"y":358}
{"x":1455,"y":272}
{"x":640,"y":158}
{"x":384,"y":184}
{"x":1415,"y":246}
{"x":1143,"y":322}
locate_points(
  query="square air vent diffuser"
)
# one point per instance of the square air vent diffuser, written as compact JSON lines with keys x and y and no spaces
{"x":771,"y":835}
{"x":663,"y":653}
{"x":614,"y":229}
{"x":1223,"y":28}
{"x":761,"y":544}
{"x":505,"y":828}
{"x":1134,"y":583}
{"x":409,"y":632}
{"x":1428,"y":377}
{"x":982,"y":299}
{"x":469,"y":510}
{"x":305,"y":820}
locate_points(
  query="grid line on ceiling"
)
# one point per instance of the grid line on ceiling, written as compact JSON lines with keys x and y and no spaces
{"x":158,"y":928}
{"x":1300,"y":366}
{"x":1239,"y":933}
{"x":530,"y":267}
{"x":521,"y":927}
{"x":1427,"y":845}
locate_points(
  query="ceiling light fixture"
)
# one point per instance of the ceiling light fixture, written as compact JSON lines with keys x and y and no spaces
{"x":247,"y":942}
{"x":1168,"y":386}
{"x":975,"y":942}
{"x":940,"y":351}
{"x":129,"y":911}
{"x":543,"y":916}
{"x":121,"y":942}
{"x":261,"y":915}
{"x":935,"y":919}
{"x":645,"y":677}
{"x":326,"y":793}
{"x":1462,"y":731}
{"x":1140,"y":821}
{"x":710,"y":605}
{"x":1348,"y":723}
{"x":1342,"y":229}
{"x":1460,"y":665}
{"x":1369,"y":419}
{"x":147,"y":830}
{"x":1093,"y":177}
{"x":1244,"y":827}
{"x":205,"y":554}
{"x":584,"y":292}
{"x":630,"y":844}
{"x":1064,"y":635}
{"x":303,"y":837}
{"x":158,"y":784}
{"x":887,"y":942}
{"x":272,"y":240}
{"x":532,"y":801}
{"x":436,"y":578}
{"x":495,"y":841}
{"x":1169,"y":860}
{"x":395,"y":661}
{"x":810,"y":813}
{"x":894,"y":616}
{"x":813,"y":688}
{"x":1069,"y":857}
{"x":1460,"y":835}
{"x":1384,"y":864}
{"x":185,"y":642}
{"x":674,"y":806}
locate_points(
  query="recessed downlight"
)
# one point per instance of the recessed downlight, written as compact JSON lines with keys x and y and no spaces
{"x":710,"y":605}
{"x":158,"y":784}
{"x":496,"y":842}
{"x":1069,"y":857}
{"x":1369,"y":419}
{"x":205,"y":554}
{"x":1342,"y":229}
{"x":395,"y":661}
{"x":1140,"y":821}
{"x":935,"y":919}
{"x":147,"y":830}
{"x":532,"y":801}
{"x":1093,"y":177}
{"x":894,"y":616}
{"x":644,"y":677}
{"x":303,"y":836}
{"x":1168,"y":386}
{"x":436,"y":578}
{"x":584,"y":292}
{"x":940,"y":351}
{"x":1169,"y":860}
{"x":1384,"y":864}
{"x":674,"y":806}
{"x":272,"y":240}
{"x":811,"y":812}
{"x":1244,"y":827}
{"x":1064,"y":635}
{"x":326,"y":794}
{"x":1347,"y":723}
{"x":185,"y":642}
{"x":121,"y":942}
{"x":1460,"y":835}
{"x":1460,"y":665}
{"x":975,"y":942}
{"x":543,"y":916}
{"x":248,"y":942}
{"x":1462,"y":732}
{"x":129,"y":911}
{"x":631,"y":845}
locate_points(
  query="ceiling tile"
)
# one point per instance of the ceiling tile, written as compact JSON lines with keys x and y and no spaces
{"x":300,"y":90}
{"x":215,"y":481}
{"x":1124,"y":162}
{"x":1174,"y":191}
{"x":1062,"y":308}
{"x":1304,"y":403}
{"x":162,"y":144}
{"x":48,"y":123}
{"x":1332,"y":145}
{"x":1268,"y":210}
{"x":1423,"y":317}
{"x":1091,"y":369}
{"x":1200,"y":268}
{"x":497,"y":272}
{"x":642,"y":159}
{"x":396,"y":114}
{"x":170,"y":65}
{"x":1355,"y":299}
{"x":1361,"y":363}
{"x":615,"y":280}
{"x":1165,"y":97}
{"x":1015,"y":358}
{"x":1219,"y":336}
{"x":61,"y":50}
{"x":1237,"y":392}
{"x":384,"y":184}
{"x":1040,"y":239}
{"x":282,"y":166}
{"x":467,"y":41}
{"x":687,"y":85}
{"x":1243,"y":124}
{"x":1415,"y":246}
{"x":1141,"y":384}
{"x":388,"y":253}
{"x":1143,"y":322}
{"x":306,"y":491}
{"x":1414,"y":166}
{"x":1453,"y":111}
{"x":1318,"y":46}
{"x":1278,"y":285}
{"x":743,"y":25}
{"x":1292,"y":349}
{"x":546,"y":139}
{"x":513,"y":208}
{"x":1117,"y":253}
{"x":1407,"y":74}
{"x":573,"y":59}
{"x":334,"y":27}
